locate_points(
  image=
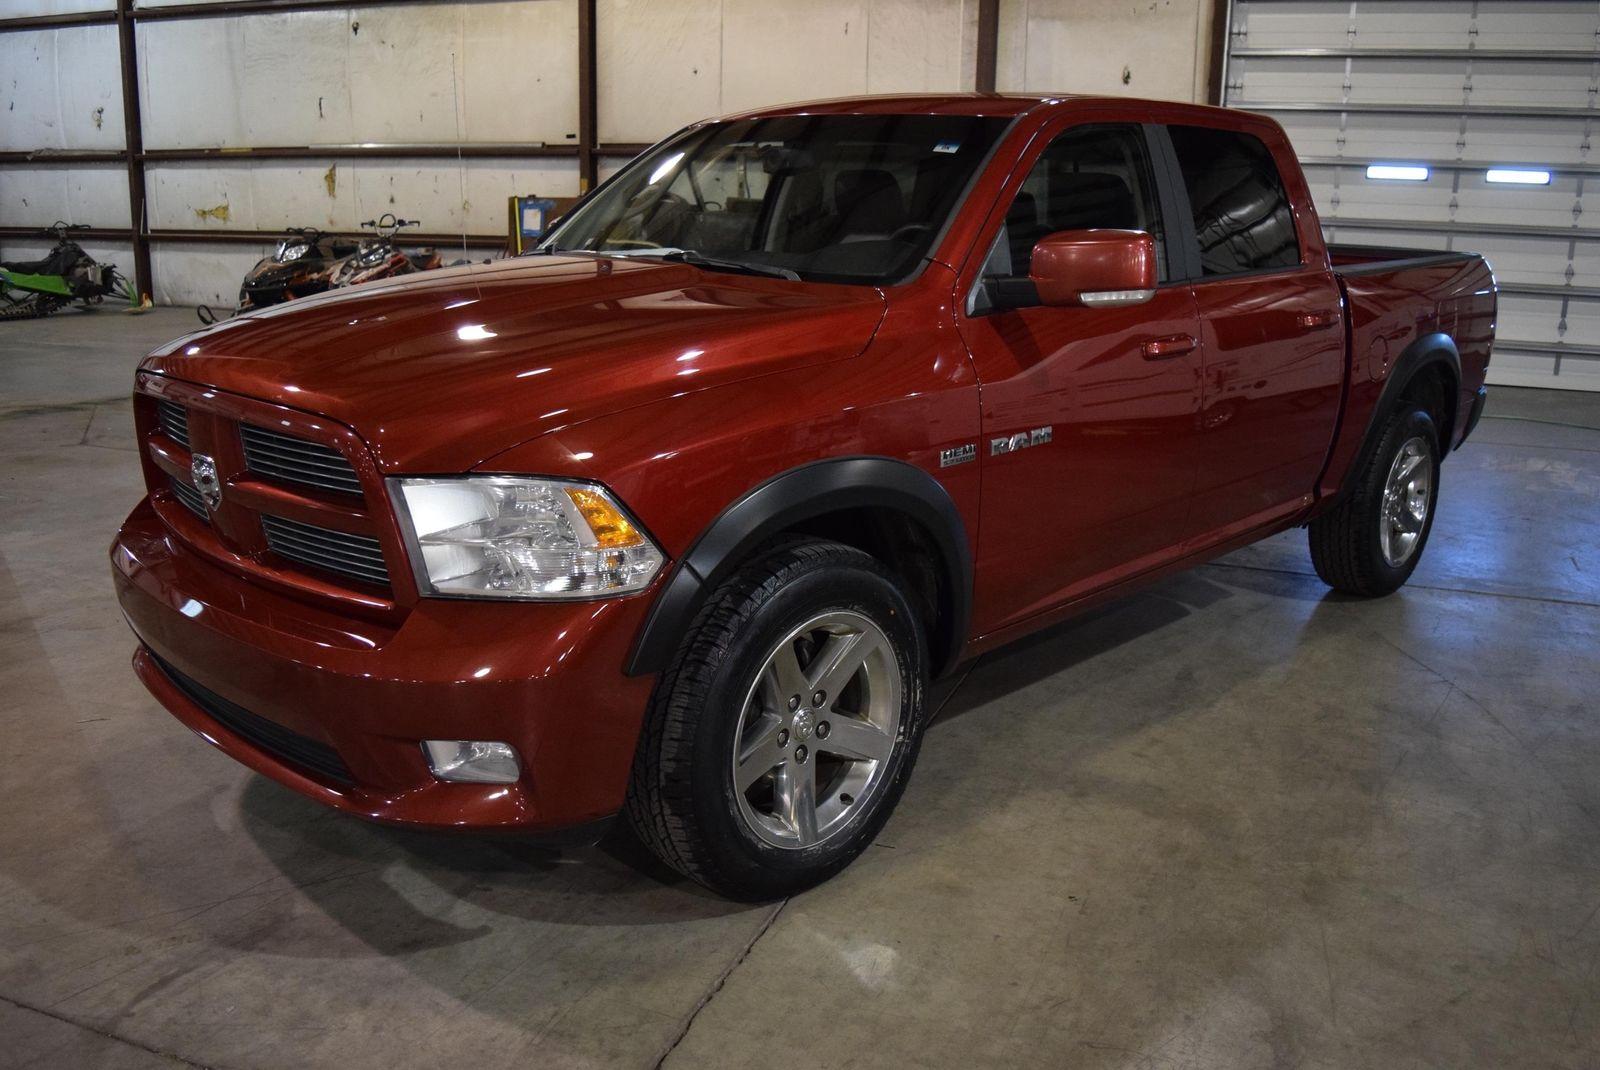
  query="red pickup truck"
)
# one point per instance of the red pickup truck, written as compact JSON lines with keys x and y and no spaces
{"x":677,"y":516}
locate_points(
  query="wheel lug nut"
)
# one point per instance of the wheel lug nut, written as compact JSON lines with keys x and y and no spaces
{"x":800,"y":753}
{"x":794,"y":702}
{"x":783,"y":737}
{"x":822,"y":730}
{"x":819,"y":698}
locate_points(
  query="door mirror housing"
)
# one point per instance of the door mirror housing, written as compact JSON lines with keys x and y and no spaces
{"x":1084,"y":268}
{"x":1096,"y":268}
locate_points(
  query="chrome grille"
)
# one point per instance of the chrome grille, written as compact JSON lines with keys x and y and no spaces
{"x":356,"y":556}
{"x":283,"y":457}
{"x":190,"y":498}
{"x":174,"y":420}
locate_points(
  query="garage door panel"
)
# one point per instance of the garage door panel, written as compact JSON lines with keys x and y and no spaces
{"x":1481,"y":201}
{"x":1582,"y":317}
{"x":1354,"y":197}
{"x":1524,"y":140}
{"x":1529,"y":83}
{"x":1395,"y":137}
{"x":1541,"y":261}
{"x":1279,"y":79}
{"x":1312,"y":135}
{"x":1530,"y":319}
{"x":1381,"y":81}
{"x":1467,"y":89}
{"x":1290,"y":24}
{"x":1345,"y":234}
{"x":1536,"y":25}
{"x":1523,"y":369}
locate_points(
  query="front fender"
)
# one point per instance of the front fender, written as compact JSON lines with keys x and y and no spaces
{"x":791,"y":498}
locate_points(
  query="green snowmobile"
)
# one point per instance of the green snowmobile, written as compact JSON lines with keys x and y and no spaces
{"x":30,"y":288}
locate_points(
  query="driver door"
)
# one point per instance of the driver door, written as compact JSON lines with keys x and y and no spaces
{"x":1090,"y":415}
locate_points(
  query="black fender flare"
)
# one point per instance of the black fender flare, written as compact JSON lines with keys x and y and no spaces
{"x":1423,"y":352}
{"x":790,"y":498}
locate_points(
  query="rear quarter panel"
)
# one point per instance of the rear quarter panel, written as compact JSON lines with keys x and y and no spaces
{"x":1388,"y":309}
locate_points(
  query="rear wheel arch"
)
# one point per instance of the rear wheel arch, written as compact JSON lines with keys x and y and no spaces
{"x":893,"y":510}
{"x":1429,"y":366}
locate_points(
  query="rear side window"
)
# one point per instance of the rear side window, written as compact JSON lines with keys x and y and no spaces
{"x":1241,"y":213}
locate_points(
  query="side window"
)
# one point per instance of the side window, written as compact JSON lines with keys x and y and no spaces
{"x":1091,"y":176}
{"x":1241,"y":214}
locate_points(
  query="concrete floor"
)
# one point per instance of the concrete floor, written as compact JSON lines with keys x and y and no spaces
{"x":1231,"y":822}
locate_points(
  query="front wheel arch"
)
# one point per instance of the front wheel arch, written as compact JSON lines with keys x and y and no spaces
{"x":787,"y":502}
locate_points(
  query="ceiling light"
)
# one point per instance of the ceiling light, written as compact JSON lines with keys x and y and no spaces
{"x":1399,"y":172}
{"x":1518,"y":176}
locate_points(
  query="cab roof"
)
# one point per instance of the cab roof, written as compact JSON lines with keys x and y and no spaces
{"x":1000,"y":104}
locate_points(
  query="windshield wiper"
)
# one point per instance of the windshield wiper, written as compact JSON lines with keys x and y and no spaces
{"x":689,"y":256}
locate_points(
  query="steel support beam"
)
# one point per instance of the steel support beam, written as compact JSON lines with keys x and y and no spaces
{"x":988,"y":45}
{"x":1221,"y":26}
{"x":58,"y":22}
{"x":588,"y":96}
{"x":133,"y":146}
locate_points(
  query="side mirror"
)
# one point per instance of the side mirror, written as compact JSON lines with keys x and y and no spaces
{"x":1094,"y":268}
{"x":1097,"y":268}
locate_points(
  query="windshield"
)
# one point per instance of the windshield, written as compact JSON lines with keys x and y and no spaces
{"x":828,"y":198}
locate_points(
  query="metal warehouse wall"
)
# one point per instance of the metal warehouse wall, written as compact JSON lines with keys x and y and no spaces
{"x":412,"y":80}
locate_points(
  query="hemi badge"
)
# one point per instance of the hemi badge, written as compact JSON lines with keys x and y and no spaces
{"x":1019,"y":441}
{"x":958,"y":455}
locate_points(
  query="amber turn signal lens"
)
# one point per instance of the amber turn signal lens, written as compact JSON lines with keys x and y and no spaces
{"x":611,"y":529}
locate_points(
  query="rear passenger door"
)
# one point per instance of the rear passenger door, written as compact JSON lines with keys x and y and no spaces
{"x":1271,"y":330}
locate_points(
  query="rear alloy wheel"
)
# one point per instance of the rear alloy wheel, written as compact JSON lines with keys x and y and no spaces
{"x":1407,"y":501}
{"x":1370,"y":543}
{"x":781,"y":737}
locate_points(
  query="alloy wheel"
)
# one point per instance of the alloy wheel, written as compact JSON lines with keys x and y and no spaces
{"x":817,"y":729}
{"x":1407,"y":496}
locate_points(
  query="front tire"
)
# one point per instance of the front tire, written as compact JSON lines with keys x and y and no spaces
{"x":782,"y":736}
{"x":1371,"y":542}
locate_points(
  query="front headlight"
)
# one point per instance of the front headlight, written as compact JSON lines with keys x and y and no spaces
{"x":288,"y":251}
{"x":510,"y":537}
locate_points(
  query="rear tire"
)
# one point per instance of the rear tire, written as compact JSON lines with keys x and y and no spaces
{"x":782,"y":736}
{"x":1371,"y":542}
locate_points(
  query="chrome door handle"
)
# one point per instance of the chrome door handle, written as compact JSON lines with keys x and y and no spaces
{"x":1175,"y":345}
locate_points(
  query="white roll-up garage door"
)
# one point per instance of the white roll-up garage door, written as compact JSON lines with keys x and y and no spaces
{"x":1449,"y":124}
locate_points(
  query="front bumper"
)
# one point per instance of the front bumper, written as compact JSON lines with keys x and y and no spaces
{"x":547,"y":678}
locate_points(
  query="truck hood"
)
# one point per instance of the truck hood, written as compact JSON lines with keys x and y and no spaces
{"x":441,"y":371}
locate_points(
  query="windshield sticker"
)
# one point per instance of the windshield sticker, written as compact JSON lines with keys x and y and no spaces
{"x":947,"y":146}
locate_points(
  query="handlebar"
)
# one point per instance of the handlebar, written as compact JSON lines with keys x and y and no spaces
{"x":389,"y":222}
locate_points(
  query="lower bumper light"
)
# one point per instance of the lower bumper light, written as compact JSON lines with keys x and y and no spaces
{"x":472,"y":761}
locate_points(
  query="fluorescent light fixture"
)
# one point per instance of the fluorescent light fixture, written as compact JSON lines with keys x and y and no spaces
{"x":1519,"y":176}
{"x":1398,"y":172}
{"x":474,"y":332}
